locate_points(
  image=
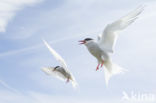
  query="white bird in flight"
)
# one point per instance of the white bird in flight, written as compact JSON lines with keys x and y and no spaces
{"x":60,"y":72}
{"x":106,"y":41}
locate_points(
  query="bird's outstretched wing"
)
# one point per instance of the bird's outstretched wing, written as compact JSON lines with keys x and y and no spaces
{"x":59,"y":75}
{"x":56,"y":55}
{"x":109,"y":36}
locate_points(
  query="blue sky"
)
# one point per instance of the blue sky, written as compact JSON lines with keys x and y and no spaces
{"x":23,"y":24}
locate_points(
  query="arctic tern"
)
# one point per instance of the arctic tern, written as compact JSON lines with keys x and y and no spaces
{"x":60,"y":72}
{"x":104,"y":46}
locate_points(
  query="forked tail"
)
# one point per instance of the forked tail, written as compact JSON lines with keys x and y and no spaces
{"x":74,"y":83}
{"x":111,"y":69}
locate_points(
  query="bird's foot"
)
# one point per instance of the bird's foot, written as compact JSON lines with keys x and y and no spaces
{"x":102,"y":63}
{"x":97,"y":68}
{"x":67,"y":80}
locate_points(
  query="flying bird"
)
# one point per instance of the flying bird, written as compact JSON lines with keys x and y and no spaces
{"x":104,"y":46}
{"x":60,"y":72}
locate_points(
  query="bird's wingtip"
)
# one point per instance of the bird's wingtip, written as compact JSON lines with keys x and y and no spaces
{"x":43,"y":40}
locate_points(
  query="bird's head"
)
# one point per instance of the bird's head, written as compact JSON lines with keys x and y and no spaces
{"x":86,"y":40}
{"x":56,"y":67}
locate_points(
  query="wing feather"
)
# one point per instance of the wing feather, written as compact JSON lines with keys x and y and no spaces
{"x":109,"y":36}
{"x":56,"y":55}
{"x":56,"y":74}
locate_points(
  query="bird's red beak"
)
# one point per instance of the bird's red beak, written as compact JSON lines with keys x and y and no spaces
{"x":82,"y":41}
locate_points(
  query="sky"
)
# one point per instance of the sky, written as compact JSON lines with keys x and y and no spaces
{"x":23,"y":25}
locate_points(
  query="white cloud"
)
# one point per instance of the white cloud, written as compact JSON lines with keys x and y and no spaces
{"x":14,"y":52}
{"x":7,"y":86}
{"x":8,"y":9}
{"x":38,"y":97}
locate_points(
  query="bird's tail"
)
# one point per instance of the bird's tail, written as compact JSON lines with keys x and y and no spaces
{"x":111,"y":69}
{"x":74,"y":83}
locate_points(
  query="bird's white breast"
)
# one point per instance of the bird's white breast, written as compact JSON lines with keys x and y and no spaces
{"x":95,"y":50}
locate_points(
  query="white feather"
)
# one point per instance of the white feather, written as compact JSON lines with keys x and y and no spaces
{"x":106,"y":42}
{"x":109,"y":36}
{"x":73,"y":81}
{"x":49,"y":71}
{"x":111,"y":69}
{"x":57,"y":74}
{"x":56,"y":55}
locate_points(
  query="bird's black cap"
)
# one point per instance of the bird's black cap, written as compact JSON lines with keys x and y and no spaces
{"x":56,"y":67}
{"x":88,"y":39}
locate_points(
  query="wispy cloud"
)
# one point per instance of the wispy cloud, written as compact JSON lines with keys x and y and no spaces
{"x":27,"y":49}
{"x":39,"y":97}
{"x":8,"y":9}
{"x":8,"y":86}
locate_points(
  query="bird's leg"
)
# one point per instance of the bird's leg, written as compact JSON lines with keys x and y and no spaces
{"x":102,"y":63}
{"x":97,"y":68}
{"x":67,"y":80}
